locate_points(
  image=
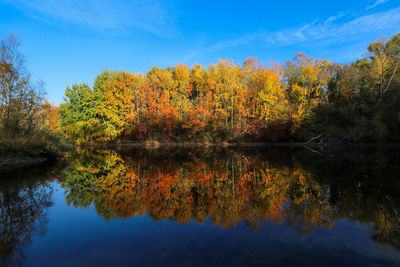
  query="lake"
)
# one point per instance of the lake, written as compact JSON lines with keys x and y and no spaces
{"x":205,"y":207}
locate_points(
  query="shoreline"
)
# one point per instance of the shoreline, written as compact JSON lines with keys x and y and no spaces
{"x":8,"y":164}
{"x":156,"y":144}
{"x":25,"y":160}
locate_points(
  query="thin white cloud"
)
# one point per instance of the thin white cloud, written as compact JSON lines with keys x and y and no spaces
{"x":335,"y":29}
{"x":377,"y":3}
{"x":149,"y":15}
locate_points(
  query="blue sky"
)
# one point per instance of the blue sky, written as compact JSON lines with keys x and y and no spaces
{"x":71,"y":41}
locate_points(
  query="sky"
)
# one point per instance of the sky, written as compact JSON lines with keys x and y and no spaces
{"x":72,"y":41}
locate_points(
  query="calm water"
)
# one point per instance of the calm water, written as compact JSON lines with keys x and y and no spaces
{"x":205,"y":207}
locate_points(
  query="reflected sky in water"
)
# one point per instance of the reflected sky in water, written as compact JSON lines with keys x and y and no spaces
{"x":215,"y":207}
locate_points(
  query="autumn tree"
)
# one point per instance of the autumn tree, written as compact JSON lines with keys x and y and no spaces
{"x":20,"y":98}
{"x":267,"y":101}
{"x":118,"y":110}
{"x":385,"y":64}
{"x":307,"y":83}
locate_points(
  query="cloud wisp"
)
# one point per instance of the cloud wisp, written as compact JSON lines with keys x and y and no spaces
{"x":149,"y":15}
{"x":335,"y":29}
{"x":377,"y":3}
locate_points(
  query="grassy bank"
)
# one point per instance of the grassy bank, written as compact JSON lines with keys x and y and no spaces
{"x":30,"y":151}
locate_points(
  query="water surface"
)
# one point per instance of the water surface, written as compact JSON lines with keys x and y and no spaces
{"x":205,"y":207}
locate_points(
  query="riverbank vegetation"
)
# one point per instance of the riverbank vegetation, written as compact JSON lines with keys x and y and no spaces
{"x":253,"y":102}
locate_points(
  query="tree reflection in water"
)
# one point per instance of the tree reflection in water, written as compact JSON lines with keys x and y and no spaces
{"x":23,"y":212}
{"x":305,"y":191}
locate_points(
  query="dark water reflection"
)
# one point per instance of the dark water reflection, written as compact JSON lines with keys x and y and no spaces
{"x":214,"y":207}
{"x":24,"y":200}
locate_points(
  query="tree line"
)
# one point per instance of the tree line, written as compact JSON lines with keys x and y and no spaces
{"x":252,"y":102}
